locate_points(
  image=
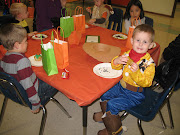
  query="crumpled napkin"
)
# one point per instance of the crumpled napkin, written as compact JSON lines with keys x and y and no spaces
{"x":60,"y":41}
{"x":47,"y":46}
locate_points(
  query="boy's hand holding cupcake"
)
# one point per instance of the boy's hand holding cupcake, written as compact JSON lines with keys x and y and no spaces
{"x":126,"y":60}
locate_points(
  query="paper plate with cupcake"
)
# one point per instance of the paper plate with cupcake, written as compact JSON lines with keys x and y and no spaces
{"x":36,"y":60}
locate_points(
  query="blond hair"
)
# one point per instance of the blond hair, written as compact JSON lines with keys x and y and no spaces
{"x":16,"y":9}
{"x":10,"y":34}
{"x":144,"y":28}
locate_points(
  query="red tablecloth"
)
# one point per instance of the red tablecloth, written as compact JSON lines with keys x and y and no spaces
{"x":83,"y":86}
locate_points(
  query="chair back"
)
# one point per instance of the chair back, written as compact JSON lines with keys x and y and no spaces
{"x":149,"y":21}
{"x":116,"y":20}
{"x":13,"y":90}
{"x":160,"y":98}
{"x":147,"y":110}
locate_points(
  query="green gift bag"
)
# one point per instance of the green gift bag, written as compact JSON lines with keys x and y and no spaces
{"x":48,"y":58}
{"x":67,"y":24}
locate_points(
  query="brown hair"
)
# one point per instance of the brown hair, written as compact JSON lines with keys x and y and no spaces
{"x":144,"y":28}
{"x":10,"y":34}
{"x":16,"y":8}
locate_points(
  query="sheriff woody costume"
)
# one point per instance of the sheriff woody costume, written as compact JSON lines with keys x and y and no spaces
{"x":129,"y":91}
{"x":135,"y":81}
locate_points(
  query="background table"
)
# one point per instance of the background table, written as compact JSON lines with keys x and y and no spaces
{"x":83,"y":86}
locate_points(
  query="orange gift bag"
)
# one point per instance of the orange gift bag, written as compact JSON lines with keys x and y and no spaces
{"x":74,"y":38}
{"x":130,"y":33}
{"x":2,"y":51}
{"x":31,"y":12}
{"x":79,"y":20}
{"x":60,"y":50}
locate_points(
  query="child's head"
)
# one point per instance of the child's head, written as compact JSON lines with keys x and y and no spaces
{"x":98,"y":3}
{"x":13,"y":37}
{"x":142,"y":38}
{"x":19,"y":10}
{"x":134,"y":9}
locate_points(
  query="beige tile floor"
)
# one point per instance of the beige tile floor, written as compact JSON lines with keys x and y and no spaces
{"x":19,"y":120}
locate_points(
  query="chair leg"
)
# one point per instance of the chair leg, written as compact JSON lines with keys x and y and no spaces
{"x":124,"y":115}
{"x":60,"y":106}
{"x":170,"y":114}
{"x":43,"y":121}
{"x":162,"y":120}
{"x":140,"y":127}
{"x":3,"y":109}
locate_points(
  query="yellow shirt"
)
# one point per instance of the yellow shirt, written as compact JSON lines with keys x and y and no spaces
{"x":143,"y":77}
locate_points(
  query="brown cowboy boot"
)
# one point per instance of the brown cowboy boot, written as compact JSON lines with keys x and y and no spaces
{"x":112,"y":123}
{"x":97,"y":115}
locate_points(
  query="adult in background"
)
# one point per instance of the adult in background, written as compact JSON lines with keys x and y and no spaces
{"x":173,"y":52}
{"x":47,"y":10}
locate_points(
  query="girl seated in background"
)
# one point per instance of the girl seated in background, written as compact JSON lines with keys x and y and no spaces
{"x":134,"y":11}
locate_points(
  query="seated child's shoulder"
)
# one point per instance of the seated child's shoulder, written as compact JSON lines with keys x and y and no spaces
{"x":107,"y":8}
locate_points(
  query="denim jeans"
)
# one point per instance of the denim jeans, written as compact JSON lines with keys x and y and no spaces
{"x":120,"y":99}
{"x":45,"y":91}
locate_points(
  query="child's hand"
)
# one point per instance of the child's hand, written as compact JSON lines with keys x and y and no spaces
{"x":88,"y":9}
{"x":32,"y":33}
{"x":134,"y":67}
{"x":121,"y":60}
{"x":91,"y":21}
{"x":134,"y":21}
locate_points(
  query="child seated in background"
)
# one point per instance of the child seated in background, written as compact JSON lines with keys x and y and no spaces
{"x":138,"y":72}
{"x":134,"y":10}
{"x":20,"y":13}
{"x":100,"y":14}
{"x":14,"y":39}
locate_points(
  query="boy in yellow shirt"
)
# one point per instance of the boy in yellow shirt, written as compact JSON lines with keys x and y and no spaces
{"x":138,"y":72}
{"x":20,"y":13}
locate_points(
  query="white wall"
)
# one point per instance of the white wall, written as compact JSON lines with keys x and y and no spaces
{"x":158,"y":6}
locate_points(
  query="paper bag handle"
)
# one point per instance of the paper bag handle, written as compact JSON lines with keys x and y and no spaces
{"x":66,"y":11}
{"x":78,"y":10}
{"x":135,"y":19}
{"x":62,"y":31}
{"x":57,"y":32}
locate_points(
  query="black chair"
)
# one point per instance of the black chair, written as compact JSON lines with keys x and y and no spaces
{"x":116,"y":20}
{"x":13,"y":90}
{"x":149,"y":21}
{"x":147,"y":110}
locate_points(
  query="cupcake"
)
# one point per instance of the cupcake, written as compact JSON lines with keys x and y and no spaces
{"x":38,"y":57}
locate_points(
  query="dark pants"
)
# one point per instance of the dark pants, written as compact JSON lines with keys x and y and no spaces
{"x":45,"y":91}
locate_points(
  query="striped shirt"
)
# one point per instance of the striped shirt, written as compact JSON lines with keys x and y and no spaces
{"x":19,"y":66}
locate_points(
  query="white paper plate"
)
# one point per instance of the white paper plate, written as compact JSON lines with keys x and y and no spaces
{"x":120,"y":36}
{"x":38,"y":36}
{"x":34,"y":62}
{"x":104,"y":70}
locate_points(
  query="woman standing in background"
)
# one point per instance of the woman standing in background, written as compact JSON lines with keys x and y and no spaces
{"x":47,"y":10}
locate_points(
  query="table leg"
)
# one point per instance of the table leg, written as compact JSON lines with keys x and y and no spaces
{"x":85,"y":111}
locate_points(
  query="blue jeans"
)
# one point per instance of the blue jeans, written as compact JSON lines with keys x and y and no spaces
{"x":45,"y":91}
{"x":120,"y":99}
